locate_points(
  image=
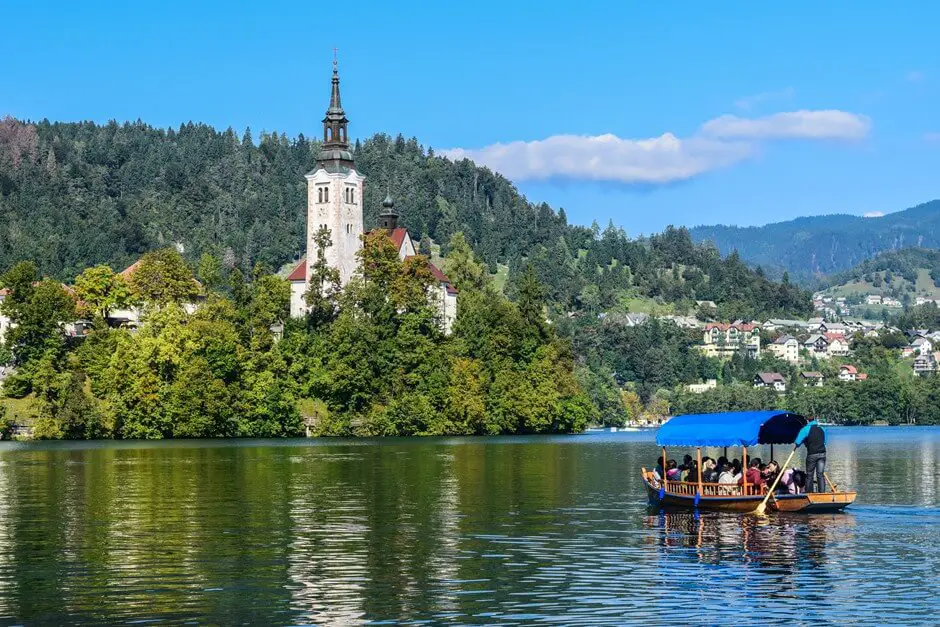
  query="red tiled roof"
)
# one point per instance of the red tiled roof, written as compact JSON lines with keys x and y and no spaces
{"x":834,"y":336}
{"x":850,"y":369}
{"x":442,"y":278}
{"x":128,"y":272}
{"x":300,"y":272}
{"x":862,"y":376}
{"x":398,"y":237}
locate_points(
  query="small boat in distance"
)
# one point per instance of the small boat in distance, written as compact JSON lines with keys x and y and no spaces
{"x":735,"y":429}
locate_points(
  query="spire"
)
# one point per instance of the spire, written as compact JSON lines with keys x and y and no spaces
{"x":335,"y":155}
{"x":336,"y":104}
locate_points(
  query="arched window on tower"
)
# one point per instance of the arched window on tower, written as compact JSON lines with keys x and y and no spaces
{"x":326,"y":194}
{"x":319,"y":194}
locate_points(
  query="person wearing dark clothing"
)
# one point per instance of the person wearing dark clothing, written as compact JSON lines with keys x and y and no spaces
{"x":813,"y":437}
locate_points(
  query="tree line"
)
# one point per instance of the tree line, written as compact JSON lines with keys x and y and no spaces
{"x":217,"y":356}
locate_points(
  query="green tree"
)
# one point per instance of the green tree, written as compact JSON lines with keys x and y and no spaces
{"x":162,"y":277}
{"x":101,"y":290}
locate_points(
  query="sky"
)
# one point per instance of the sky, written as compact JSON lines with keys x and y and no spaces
{"x":641,"y":113}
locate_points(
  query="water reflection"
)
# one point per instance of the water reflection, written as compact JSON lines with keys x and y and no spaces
{"x":477,"y":531}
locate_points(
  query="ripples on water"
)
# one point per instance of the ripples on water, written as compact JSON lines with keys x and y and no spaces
{"x":460,"y":531}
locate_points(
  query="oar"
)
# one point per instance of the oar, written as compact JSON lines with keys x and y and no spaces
{"x":832,"y":487}
{"x":763,"y":504}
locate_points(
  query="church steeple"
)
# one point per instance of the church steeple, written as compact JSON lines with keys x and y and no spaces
{"x":335,"y":154}
{"x":388,"y":219}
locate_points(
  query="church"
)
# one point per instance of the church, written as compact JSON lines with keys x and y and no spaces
{"x":334,"y":199}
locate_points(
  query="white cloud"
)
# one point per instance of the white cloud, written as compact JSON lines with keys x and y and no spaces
{"x":749,"y":102}
{"x":914,"y":76}
{"x":874,"y":214}
{"x":659,"y":160}
{"x":933,"y":138}
{"x":826,"y":124}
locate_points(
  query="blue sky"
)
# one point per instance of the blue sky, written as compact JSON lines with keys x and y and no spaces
{"x":644,"y":113}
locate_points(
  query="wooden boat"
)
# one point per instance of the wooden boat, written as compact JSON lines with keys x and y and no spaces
{"x":735,"y":429}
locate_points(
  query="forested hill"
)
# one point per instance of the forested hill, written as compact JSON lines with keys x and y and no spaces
{"x":906,"y":270}
{"x":76,"y":194}
{"x":810,"y":246}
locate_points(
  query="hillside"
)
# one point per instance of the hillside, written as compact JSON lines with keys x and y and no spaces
{"x":908,"y":276}
{"x":813,"y":246}
{"x":77,"y":194}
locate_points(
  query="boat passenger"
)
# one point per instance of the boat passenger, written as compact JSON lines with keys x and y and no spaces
{"x":710,"y":472}
{"x":728,"y":478}
{"x":770,"y":472}
{"x":753,"y":474}
{"x":672,"y":470}
{"x":792,"y":481}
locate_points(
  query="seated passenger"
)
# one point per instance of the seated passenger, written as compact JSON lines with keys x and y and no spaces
{"x":710,"y":473}
{"x":769,"y":472}
{"x":753,"y":475}
{"x":672,"y":470}
{"x":727,"y":478}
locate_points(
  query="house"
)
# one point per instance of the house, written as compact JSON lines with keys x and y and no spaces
{"x":812,"y":379}
{"x":832,"y":328}
{"x":699,"y":388}
{"x":817,"y":346}
{"x":635,"y":319}
{"x":813,"y":324}
{"x":922,"y":345}
{"x":777,"y":324}
{"x":706,"y":304}
{"x":787,"y":348}
{"x":838,"y":345}
{"x":773,"y":380}
{"x":848,"y":372}
{"x":873,"y":299}
{"x":894,"y":303}
{"x":925,"y":364}
{"x":683,"y":322}
{"x":724,"y":340}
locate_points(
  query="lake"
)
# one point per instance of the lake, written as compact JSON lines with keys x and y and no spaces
{"x":488,"y":530}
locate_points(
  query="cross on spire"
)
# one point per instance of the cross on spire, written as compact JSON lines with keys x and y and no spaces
{"x":335,"y":61}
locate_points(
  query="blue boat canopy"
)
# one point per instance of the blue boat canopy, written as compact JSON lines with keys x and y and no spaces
{"x":741,"y":428}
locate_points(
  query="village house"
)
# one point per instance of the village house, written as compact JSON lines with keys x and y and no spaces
{"x":848,"y":372}
{"x":832,"y":328}
{"x":699,"y":388}
{"x":131,"y":315}
{"x":817,"y":346}
{"x":773,"y":380}
{"x":838,"y":345}
{"x":925,"y":364}
{"x":873,"y":299}
{"x":779,"y":324}
{"x":812,"y":379}
{"x":787,"y":348}
{"x":921,"y":345}
{"x":724,"y":340}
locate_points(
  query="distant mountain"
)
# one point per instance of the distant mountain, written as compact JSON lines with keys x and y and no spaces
{"x":814,"y":246}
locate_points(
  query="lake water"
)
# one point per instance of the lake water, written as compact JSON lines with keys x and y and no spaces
{"x":509,"y":530}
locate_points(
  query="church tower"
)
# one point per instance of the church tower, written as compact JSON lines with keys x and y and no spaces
{"x":334,"y":192}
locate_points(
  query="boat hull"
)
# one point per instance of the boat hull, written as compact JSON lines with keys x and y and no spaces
{"x":818,"y":502}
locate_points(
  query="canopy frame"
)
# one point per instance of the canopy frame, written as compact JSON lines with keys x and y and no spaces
{"x":735,"y":429}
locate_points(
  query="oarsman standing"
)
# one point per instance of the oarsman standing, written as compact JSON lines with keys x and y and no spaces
{"x":813,"y":437}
